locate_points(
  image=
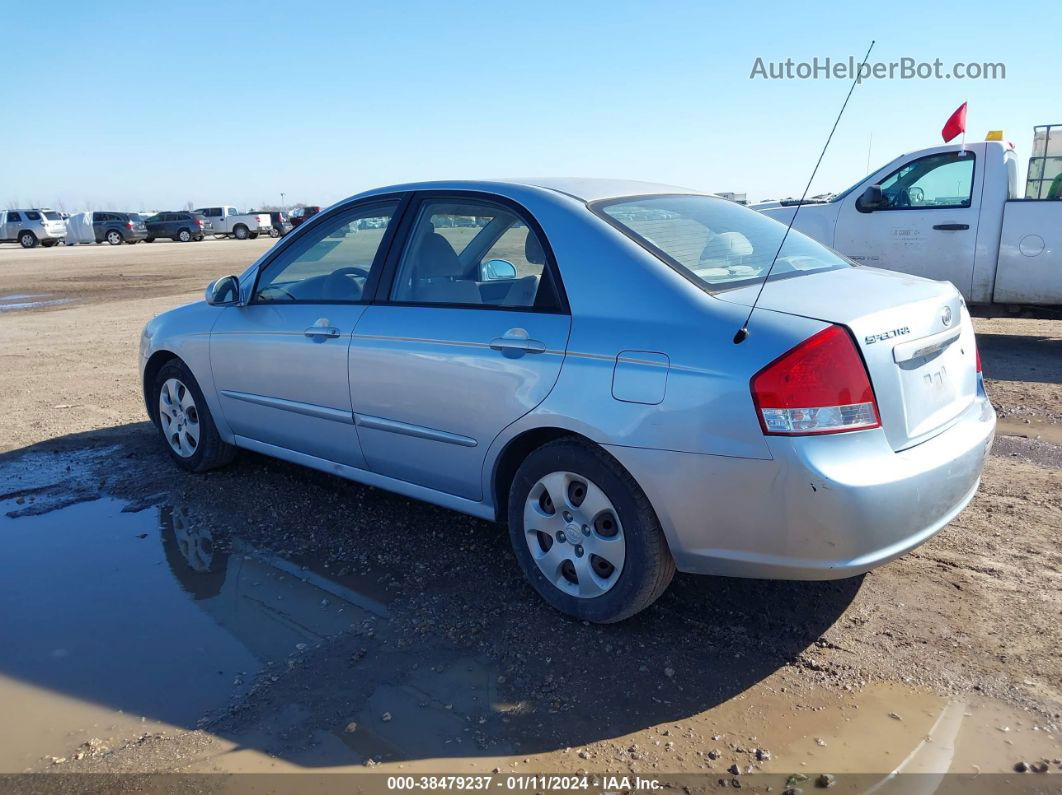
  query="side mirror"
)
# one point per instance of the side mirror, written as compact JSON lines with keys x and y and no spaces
{"x":223,"y":292}
{"x":871,"y":200}
{"x":496,"y":270}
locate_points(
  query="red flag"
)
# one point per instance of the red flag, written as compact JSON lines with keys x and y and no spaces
{"x":955,"y":124}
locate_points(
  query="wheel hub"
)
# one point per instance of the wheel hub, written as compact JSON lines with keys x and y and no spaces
{"x":562,"y":514}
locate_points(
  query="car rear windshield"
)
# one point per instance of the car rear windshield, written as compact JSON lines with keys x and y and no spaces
{"x":716,"y":242}
{"x":51,"y":215}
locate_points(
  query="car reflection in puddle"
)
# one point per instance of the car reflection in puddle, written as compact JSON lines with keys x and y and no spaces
{"x":96,"y":608}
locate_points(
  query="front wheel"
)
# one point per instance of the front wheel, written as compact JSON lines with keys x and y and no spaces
{"x":27,"y":240}
{"x":184,"y":235}
{"x":114,"y":237}
{"x":585,"y":534}
{"x":184,"y":421}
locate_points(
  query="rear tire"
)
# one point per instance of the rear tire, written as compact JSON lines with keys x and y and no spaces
{"x":114,"y":237}
{"x":274,"y":232}
{"x":184,"y":421}
{"x":241,"y":232}
{"x":184,"y":235}
{"x":622,"y":515}
{"x":27,"y":240}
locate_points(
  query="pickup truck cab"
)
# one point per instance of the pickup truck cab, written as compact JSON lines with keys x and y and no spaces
{"x":227,"y":221}
{"x":948,"y":213}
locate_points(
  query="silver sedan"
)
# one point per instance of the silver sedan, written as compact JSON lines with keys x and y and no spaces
{"x":560,"y":356}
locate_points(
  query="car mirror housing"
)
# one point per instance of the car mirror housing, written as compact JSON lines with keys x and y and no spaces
{"x":223,"y":292}
{"x":871,"y":200}
{"x":497,"y":270}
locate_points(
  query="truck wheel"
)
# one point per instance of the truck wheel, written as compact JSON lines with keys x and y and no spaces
{"x":27,"y":239}
{"x":585,"y":534}
{"x":184,"y":235}
{"x":114,"y":237}
{"x":241,"y":232}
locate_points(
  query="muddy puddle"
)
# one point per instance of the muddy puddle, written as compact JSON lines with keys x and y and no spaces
{"x":123,"y":620}
{"x":116,"y":622}
{"x":1030,"y":429}
{"x":15,"y":302}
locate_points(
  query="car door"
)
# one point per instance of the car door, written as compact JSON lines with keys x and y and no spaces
{"x":929,"y":227}
{"x":280,"y":361}
{"x":450,"y":356}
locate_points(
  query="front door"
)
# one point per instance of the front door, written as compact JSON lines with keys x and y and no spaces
{"x":470,"y":338}
{"x":929,"y":227}
{"x":280,"y":361}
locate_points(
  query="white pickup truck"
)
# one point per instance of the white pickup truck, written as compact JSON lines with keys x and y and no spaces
{"x":954,"y":214}
{"x":227,"y":220}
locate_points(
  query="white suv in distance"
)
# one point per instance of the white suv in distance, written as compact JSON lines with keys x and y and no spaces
{"x":30,"y":227}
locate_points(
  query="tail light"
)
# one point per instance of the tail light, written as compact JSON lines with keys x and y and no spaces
{"x":129,"y":225}
{"x":820,"y":386}
{"x":198,"y":221}
{"x":977,"y":353}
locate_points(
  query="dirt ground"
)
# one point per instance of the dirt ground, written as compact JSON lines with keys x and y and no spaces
{"x":356,"y":629}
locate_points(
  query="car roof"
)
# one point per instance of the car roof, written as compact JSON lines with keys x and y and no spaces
{"x":587,"y":189}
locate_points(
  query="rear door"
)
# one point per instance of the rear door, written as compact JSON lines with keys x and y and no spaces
{"x":930,"y":225}
{"x":280,"y":362}
{"x":468,"y":337}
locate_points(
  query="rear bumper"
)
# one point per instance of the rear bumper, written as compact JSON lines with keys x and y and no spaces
{"x":824,"y":507}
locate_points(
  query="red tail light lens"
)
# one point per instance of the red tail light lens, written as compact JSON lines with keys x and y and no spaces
{"x":977,"y":353}
{"x":820,"y":386}
{"x":128,"y":224}
{"x":198,"y":221}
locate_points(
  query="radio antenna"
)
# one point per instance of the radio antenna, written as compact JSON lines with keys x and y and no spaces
{"x":743,"y":332}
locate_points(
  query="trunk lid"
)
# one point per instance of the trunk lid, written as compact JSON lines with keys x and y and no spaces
{"x":914,"y":335}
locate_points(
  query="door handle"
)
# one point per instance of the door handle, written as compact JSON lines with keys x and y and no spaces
{"x":951,"y":227}
{"x":517,"y":344}
{"x":322,"y":331}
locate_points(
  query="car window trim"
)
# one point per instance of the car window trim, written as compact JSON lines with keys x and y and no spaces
{"x":307,"y":227}
{"x":402,"y":237}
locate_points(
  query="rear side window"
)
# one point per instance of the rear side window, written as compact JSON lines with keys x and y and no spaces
{"x":473,"y":253}
{"x":33,"y":216}
{"x":51,"y":215}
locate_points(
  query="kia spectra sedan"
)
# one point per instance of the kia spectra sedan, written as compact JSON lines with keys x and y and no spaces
{"x":559,"y":356}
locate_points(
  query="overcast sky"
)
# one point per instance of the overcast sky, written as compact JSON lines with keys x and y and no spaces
{"x":126,"y":106}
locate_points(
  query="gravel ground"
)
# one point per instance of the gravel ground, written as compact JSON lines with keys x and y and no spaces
{"x":973,"y":615}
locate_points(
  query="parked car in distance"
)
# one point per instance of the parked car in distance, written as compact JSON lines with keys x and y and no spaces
{"x":228,"y":221}
{"x":118,"y":228}
{"x":300,"y":214}
{"x":569,"y":367}
{"x":280,"y":222}
{"x":31,"y":227}
{"x":181,"y":226}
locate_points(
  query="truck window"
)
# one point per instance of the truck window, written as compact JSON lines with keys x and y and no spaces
{"x":933,"y":182}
